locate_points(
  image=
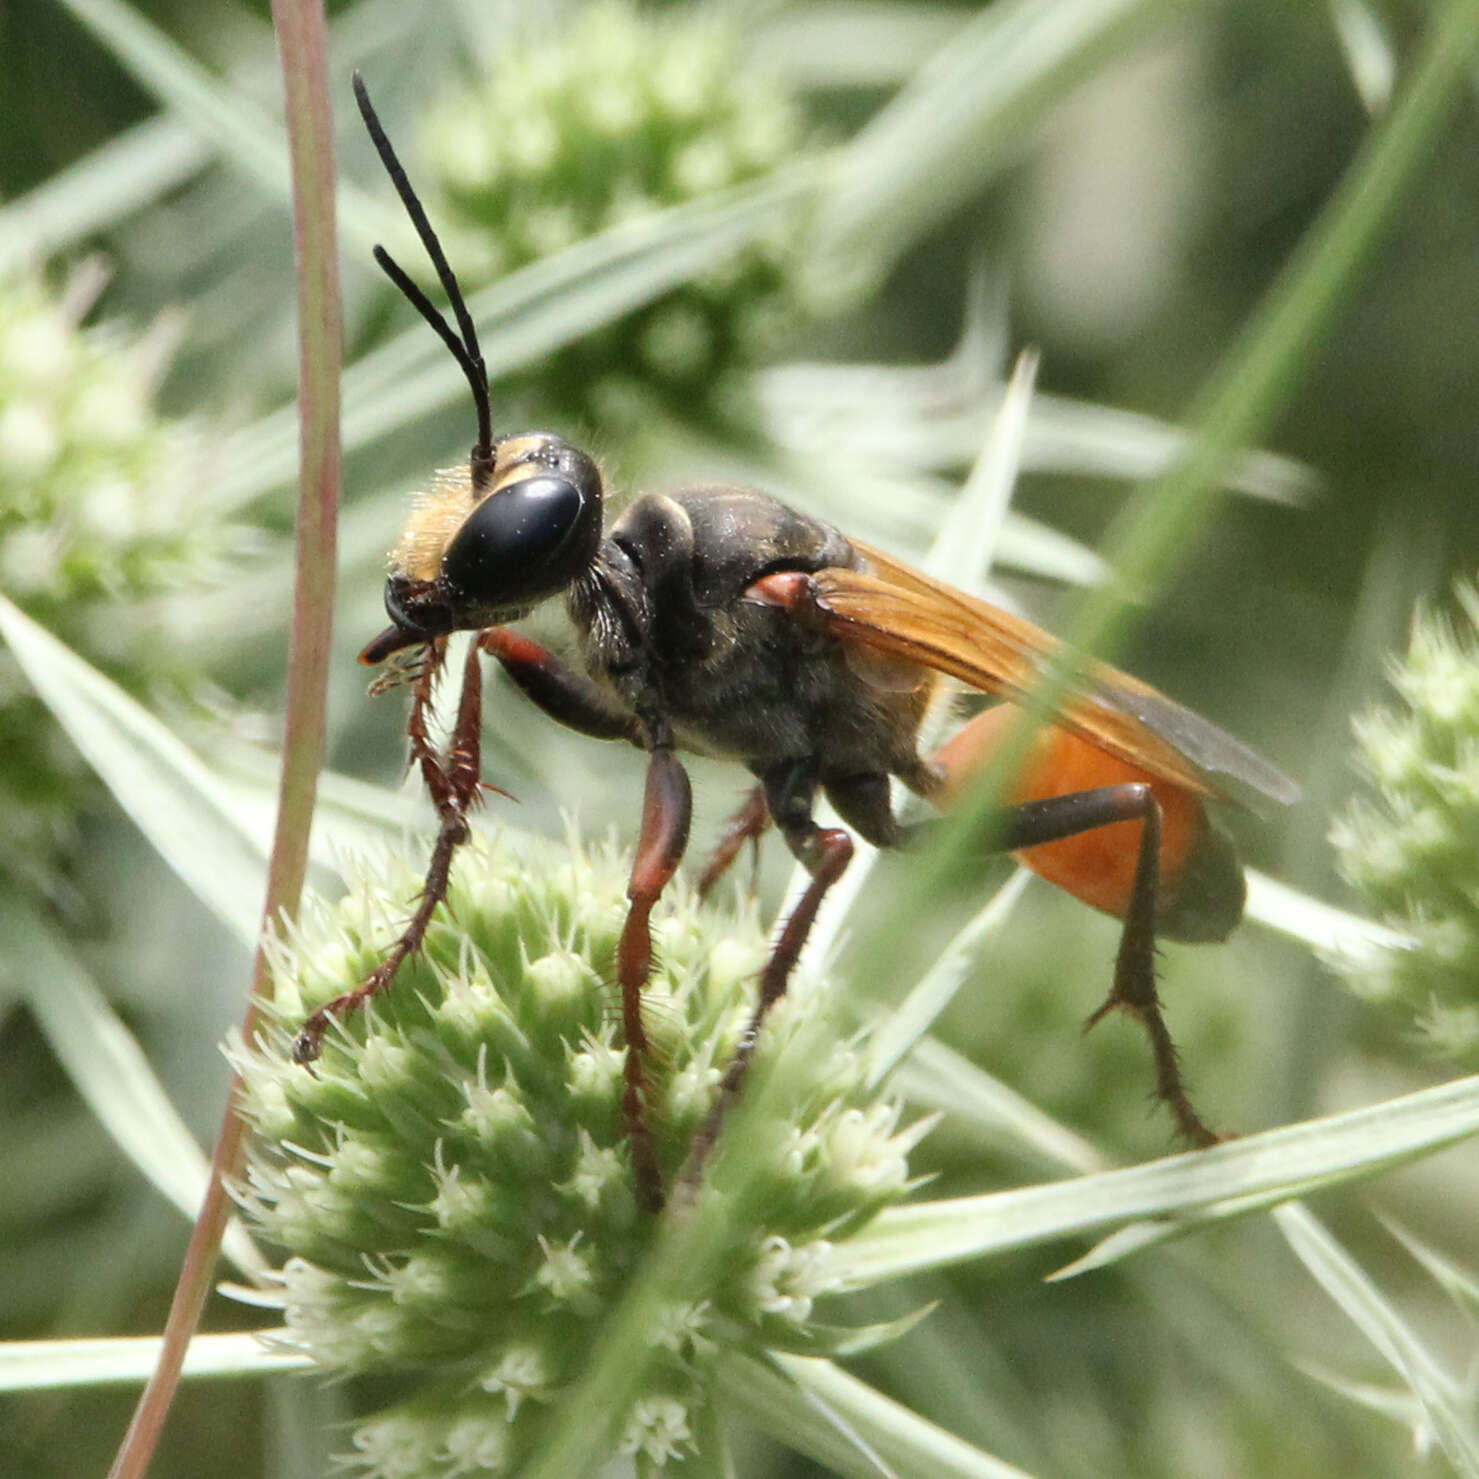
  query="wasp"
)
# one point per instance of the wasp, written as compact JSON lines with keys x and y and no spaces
{"x":720,"y":621}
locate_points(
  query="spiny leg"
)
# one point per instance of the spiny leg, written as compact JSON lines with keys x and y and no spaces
{"x":454,"y":787}
{"x":667,"y":806}
{"x":576,"y":702}
{"x":748,"y":824}
{"x":1134,"y":988}
{"x":825,"y":852}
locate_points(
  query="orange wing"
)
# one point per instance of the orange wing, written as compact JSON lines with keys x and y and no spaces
{"x":894,"y":608}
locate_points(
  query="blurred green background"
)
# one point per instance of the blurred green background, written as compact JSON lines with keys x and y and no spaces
{"x":1123,"y":208}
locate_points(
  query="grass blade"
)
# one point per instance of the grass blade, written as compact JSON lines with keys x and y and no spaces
{"x":1226,"y":1181}
{"x":968,"y":112}
{"x":169,"y":794}
{"x":243,"y":134}
{"x":1449,"y":1411}
{"x":33,"y":1365}
{"x":109,"y":1069}
{"x":846,"y":1425}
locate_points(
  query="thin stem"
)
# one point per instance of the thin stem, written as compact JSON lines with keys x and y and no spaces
{"x":302,"y":45}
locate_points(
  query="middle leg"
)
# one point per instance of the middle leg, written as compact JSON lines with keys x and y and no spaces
{"x":790,"y":793}
{"x":748,"y":824}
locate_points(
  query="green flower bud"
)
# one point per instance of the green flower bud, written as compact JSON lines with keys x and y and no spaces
{"x":453,"y":1182}
{"x":100,"y":512}
{"x":605,"y":120}
{"x":1411,"y":849}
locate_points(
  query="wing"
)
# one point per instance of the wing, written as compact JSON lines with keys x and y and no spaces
{"x":890,"y":607}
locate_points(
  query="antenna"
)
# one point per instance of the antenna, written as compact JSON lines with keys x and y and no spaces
{"x":464,"y":348}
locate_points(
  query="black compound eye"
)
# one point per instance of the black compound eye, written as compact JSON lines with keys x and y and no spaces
{"x":524,"y":542}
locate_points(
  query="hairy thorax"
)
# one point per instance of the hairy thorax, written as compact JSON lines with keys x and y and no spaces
{"x":737,"y":678}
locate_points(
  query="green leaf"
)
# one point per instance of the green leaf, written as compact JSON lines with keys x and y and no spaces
{"x":969,"y":111}
{"x":906,"y":1024}
{"x":848,"y":44}
{"x":1323,"y":927}
{"x":935,"y":1076}
{"x":886,"y":422}
{"x":1458,"y":1282}
{"x":126,"y":173}
{"x":832,"y":1341}
{"x":1370,"y":56}
{"x":1396,"y":1404}
{"x":139,"y":166}
{"x":245,"y":136}
{"x":1449,"y":1409}
{"x":108,"y":1068}
{"x":846,"y":1425}
{"x":1227,"y":1181}
{"x":170,"y":795}
{"x":34,"y":1365}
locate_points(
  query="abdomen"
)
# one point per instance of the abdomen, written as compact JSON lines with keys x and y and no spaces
{"x":1201,"y":890}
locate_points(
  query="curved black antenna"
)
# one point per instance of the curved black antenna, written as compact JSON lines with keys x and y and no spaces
{"x":464,"y":349}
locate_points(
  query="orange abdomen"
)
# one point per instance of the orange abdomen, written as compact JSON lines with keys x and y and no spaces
{"x":1098,"y":866}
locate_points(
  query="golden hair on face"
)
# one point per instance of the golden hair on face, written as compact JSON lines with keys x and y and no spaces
{"x":437,"y":513}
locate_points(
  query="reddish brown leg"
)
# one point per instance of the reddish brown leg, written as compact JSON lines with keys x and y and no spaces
{"x":748,"y":824}
{"x":565,"y":695}
{"x":826,"y":851}
{"x":574,"y":700}
{"x":666,"y":810}
{"x":455,"y":789}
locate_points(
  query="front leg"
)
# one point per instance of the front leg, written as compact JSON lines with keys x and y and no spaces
{"x":568,"y":697}
{"x":454,"y":784}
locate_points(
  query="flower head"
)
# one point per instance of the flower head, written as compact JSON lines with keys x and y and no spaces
{"x":1410,"y":850}
{"x":614,"y":117}
{"x":453,"y":1185}
{"x":100,"y":510}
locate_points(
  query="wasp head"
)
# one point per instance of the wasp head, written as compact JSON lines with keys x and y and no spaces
{"x":475,"y":557}
{"x":494,"y":538}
